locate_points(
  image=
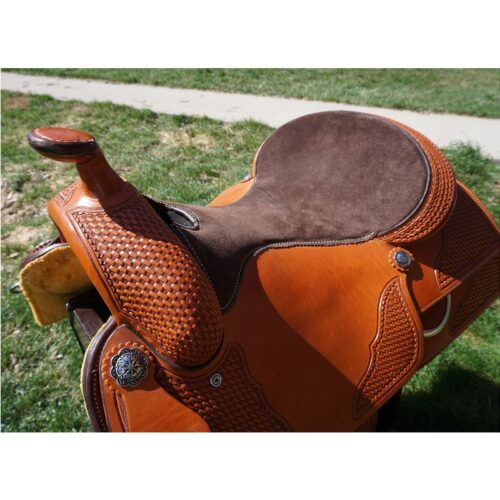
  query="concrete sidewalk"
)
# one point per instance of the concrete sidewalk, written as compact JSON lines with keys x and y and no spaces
{"x":443,"y":129}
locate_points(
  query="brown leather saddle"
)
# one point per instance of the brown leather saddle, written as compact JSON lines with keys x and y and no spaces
{"x":301,"y":299}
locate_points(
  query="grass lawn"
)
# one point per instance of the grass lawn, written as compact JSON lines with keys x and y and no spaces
{"x":462,"y":91}
{"x":189,"y":160}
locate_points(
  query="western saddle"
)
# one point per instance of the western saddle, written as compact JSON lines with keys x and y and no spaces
{"x":303,"y":298}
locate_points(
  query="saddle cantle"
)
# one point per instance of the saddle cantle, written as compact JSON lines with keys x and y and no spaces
{"x":301,"y":299}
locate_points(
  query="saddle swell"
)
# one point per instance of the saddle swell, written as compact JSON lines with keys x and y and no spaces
{"x":301,"y":299}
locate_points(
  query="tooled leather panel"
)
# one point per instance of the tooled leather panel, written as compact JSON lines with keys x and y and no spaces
{"x":439,"y":200}
{"x":66,"y":194}
{"x":237,"y":405}
{"x":485,"y":285}
{"x":394,"y":351}
{"x":154,"y":280}
{"x":467,"y":236}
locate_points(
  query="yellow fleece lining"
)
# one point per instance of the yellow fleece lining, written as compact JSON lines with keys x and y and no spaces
{"x":49,"y":281}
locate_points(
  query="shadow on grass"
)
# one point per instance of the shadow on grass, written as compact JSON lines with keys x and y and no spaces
{"x":460,"y":401}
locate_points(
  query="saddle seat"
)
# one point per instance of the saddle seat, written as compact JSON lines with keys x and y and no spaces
{"x":324,"y":179}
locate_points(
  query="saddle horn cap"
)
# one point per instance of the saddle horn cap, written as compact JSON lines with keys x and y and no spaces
{"x":74,"y":146}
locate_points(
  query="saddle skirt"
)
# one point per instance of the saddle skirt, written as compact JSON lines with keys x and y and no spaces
{"x":301,"y":299}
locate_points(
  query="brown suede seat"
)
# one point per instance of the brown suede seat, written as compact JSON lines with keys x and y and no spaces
{"x":323,"y":179}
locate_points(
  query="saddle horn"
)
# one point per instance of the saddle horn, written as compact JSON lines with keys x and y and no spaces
{"x":74,"y":146}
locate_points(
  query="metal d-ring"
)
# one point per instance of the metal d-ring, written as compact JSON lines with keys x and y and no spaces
{"x":438,"y":329}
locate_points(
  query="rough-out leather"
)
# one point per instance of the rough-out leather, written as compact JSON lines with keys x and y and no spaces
{"x":298,"y":299}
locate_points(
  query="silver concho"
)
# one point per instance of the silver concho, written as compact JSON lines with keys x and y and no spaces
{"x":403,"y":258}
{"x":129,"y":367}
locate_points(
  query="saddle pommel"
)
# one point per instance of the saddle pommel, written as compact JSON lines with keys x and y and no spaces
{"x":73,"y":146}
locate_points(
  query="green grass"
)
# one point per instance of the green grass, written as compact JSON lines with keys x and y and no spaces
{"x":189,"y":160}
{"x":462,"y":91}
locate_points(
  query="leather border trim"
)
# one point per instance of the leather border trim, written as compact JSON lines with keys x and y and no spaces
{"x":439,"y":201}
{"x":90,"y":377}
{"x":42,"y":249}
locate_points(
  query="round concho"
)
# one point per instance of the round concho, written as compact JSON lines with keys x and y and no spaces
{"x":129,"y":367}
{"x":403,"y":258}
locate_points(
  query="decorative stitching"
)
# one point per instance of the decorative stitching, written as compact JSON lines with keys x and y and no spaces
{"x":289,"y":244}
{"x":259,"y":250}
